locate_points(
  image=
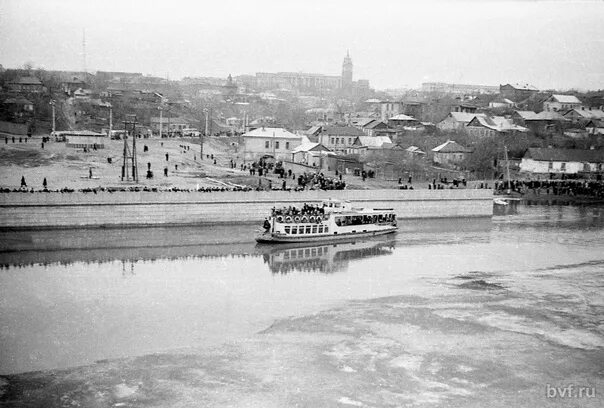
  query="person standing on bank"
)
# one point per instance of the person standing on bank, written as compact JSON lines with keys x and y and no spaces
{"x":23,"y":183}
{"x":44,"y":183}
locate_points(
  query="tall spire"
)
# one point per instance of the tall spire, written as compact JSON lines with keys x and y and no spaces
{"x":347,"y":71}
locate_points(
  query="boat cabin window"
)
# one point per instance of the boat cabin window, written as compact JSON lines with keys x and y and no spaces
{"x":287,"y":229}
{"x":308,"y":229}
{"x":294,"y":230}
{"x":326,"y":228}
{"x":314,"y":229}
{"x":320,"y":229}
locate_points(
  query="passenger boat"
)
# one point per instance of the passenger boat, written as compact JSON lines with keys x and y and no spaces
{"x":332,"y":220}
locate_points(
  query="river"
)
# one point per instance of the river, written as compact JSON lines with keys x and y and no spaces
{"x":70,"y":298}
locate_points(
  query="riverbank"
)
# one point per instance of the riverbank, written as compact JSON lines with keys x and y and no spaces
{"x":78,"y":209}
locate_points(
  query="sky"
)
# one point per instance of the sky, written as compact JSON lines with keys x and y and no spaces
{"x":555,"y":44}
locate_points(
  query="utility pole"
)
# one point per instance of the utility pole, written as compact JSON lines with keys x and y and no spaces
{"x":130,"y":158}
{"x":161,"y":110}
{"x":274,"y":157}
{"x":507,"y":166}
{"x":110,"y":121}
{"x":52,"y":104}
{"x":205,"y":132}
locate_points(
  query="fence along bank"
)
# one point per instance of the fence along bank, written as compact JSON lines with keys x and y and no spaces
{"x":77,"y":209}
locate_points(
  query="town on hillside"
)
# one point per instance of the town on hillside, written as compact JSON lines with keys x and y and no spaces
{"x":288,"y":130}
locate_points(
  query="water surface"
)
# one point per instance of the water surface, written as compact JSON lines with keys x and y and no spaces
{"x":69,"y":298}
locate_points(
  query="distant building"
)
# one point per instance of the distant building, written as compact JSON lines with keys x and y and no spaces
{"x":277,"y":143}
{"x":169,"y":124}
{"x":72,"y":84}
{"x":389,"y":109}
{"x":457,"y":121}
{"x":375,"y":128}
{"x":84,"y":138}
{"x":584,"y":114}
{"x":311,"y":154}
{"x":19,"y":107}
{"x":339,"y":138}
{"x":542,"y":123}
{"x":363,"y":145}
{"x":517,"y":92}
{"x":117,"y":76}
{"x":562,"y":161}
{"x":458,"y":89}
{"x":347,"y":72}
{"x":450,"y":153}
{"x":403,"y":121}
{"x":556,"y":103}
{"x":307,"y":82}
{"x":595,"y":127}
{"x":487,"y":126}
{"x":28,"y":84}
{"x":415,"y":151}
{"x":299,"y":81}
{"x":501,"y":103}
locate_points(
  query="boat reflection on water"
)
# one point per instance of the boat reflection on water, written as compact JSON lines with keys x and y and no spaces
{"x":323,"y":258}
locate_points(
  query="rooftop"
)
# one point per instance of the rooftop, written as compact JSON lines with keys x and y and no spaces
{"x":451,"y":146}
{"x":277,"y":133}
{"x":565,"y":98}
{"x":342,"y":131}
{"x":566,"y":155}
{"x":402,"y":117}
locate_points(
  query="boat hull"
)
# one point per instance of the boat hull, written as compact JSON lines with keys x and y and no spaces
{"x":270,"y":238}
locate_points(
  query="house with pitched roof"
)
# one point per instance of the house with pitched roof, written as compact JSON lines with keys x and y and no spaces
{"x":26,"y":84}
{"x":450,"y":153}
{"x":457,"y":121}
{"x":402,"y":120}
{"x":595,"y":127}
{"x":584,"y":115}
{"x":339,"y":138}
{"x":486,"y":126}
{"x":541,"y":123}
{"x":363,"y":145}
{"x":501,"y":103}
{"x":277,"y":143}
{"x":311,"y":154}
{"x":18,"y":108}
{"x":376,"y":128}
{"x":557,"y":103}
{"x":562,"y":161}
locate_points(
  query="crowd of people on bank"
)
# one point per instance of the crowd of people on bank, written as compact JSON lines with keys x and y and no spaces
{"x":319,"y":181}
{"x":589,"y":188}
{"x":96,"y":190}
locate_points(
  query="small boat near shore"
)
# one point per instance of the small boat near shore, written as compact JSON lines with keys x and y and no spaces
{"x":332,"y":220}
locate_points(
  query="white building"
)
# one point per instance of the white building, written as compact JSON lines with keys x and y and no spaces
{"x":311,"y":154}
{"x":562,"y":161}
{"x":277,"y":143}
{"x":556,"y":103}
{"x":84,"y":138}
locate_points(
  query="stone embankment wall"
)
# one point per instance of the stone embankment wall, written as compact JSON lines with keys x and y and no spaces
{"x":56,"y":210}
